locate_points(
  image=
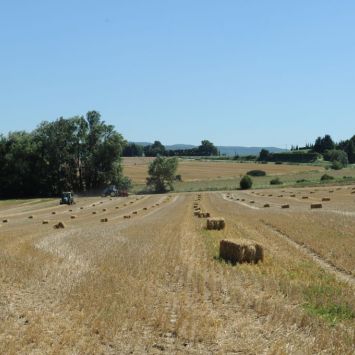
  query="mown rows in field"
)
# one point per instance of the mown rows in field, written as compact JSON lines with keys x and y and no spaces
{"x":154,"y":282}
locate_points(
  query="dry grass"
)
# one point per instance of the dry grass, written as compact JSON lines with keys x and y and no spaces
{"x":136,"y":169}
{"x":151,"y":283}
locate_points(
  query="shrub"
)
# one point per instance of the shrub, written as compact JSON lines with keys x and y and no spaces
{"x":256,"y":173}
{"x":246,"y":182}
{"x":276,"y":181}
{"x":326,"y":177}
{"x":336,"y":165}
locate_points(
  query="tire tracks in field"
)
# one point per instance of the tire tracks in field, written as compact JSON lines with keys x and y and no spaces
{"x":326,"y":265}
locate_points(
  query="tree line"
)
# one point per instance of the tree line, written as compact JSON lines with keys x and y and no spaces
{"x":78,"y":153}
{"x":339,"y":154}
{"x":206,"y":148}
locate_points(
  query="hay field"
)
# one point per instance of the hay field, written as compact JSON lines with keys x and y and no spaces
{"x":194,"y":170}
{"x":153,"y":283}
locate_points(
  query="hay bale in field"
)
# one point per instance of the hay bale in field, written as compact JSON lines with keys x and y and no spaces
{"x":45,"y":222}
{"x":304,"y":197}
{"x":135,"y":212}
{"x":216,"y":223}
{"x":81,"y":208}
{"x":196,"y":213}
{"x":353,"y":192}
{"x":280,"y":196}
{"x":116,"y":207}
{"x":93,"y":205}
{"x":59,"y":225}
{"x":293,"y":195}
{"x":204,"y":215}
{"x":101,"y":202}
{"x":252,"y":201}
{"x":93,"y":212}
{"x":331,"y":191}
{"x":266,"y":205}
{"x":285,"y":206}
{"x":104,"y":210}
{"x":311,"y":192}
{"x":325,"y":199}
{"x":145,"y":208}
{"x":269,"y":195}
{"x":104,"y":220}
{"x":316,"y":205}
{"x":243,"y":199}
{"x":157,"y":204}
{"x":54,"y":212}
{"x":70,"y":210}
{"x":73,"y":217}
{"x":126,"y":217}
{"x":30,"y":217}
{"x":5,"y":221}
{"x":241,"y":251}
{"x":131,"y":202}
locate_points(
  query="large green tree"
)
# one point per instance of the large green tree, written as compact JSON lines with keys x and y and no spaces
{"x":162,"y":172}
{"x":67,"y":154}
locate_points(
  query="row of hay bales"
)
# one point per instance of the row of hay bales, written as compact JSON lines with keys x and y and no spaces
{"x":235,"y":252}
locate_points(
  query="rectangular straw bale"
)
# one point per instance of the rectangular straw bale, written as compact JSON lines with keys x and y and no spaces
{"x":285,"y":206}
{"x":241,"y":252}
{"x":316,"y":205}
{"x":216,"y":223}
{"x":325,"y":199}
{"x":267,"y":205}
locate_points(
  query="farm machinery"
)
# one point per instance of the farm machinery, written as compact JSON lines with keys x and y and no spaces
{"x":67,"y":198}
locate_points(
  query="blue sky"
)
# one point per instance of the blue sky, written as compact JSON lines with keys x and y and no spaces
{"x":266,"y":73}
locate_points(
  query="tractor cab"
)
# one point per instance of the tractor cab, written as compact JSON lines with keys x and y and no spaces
{"x":67,"y":198}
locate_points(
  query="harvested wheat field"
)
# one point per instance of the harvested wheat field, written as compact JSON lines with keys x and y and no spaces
{"x":154,"y":282}
{"x":192,"y":170}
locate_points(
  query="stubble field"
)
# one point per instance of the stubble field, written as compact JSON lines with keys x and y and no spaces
{"x":149,"y":280}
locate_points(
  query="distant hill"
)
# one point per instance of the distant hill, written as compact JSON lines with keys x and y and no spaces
{"x":224,"y":150}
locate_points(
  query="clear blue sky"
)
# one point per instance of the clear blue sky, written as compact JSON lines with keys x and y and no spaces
{"x":266,"y":73}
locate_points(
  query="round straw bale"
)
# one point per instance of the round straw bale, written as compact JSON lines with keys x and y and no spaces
{"x":145,"y":208}
{"x":304,"y":197}
{"x":243,"y":199}
{"x":269,"y":195}
{"x":101,"y":202}
{"x":135,"y":212}
{"x":316,"y":205}
{"x":252,"y":201}
{"x":293,"y":195}
{"x":126,"y":217}
{"x":59,"y":225}
{"x":70,"y":210}
{"x":45,"y":222}
{"x":325,"y":199}
{"x":5,"y":221}
{"x":93,"y":212}
{"x":285,"y":206}
{"x":53,"y":212}
{"x":30,"y":217}
{"x":93,"y":205}
{"x":104,"y":210}
{"x":81,"y":208}
{"x":117,"y":207}
{"x":267,"y":205}
{"x":73,"y":217}
{"x":104,"y":220}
